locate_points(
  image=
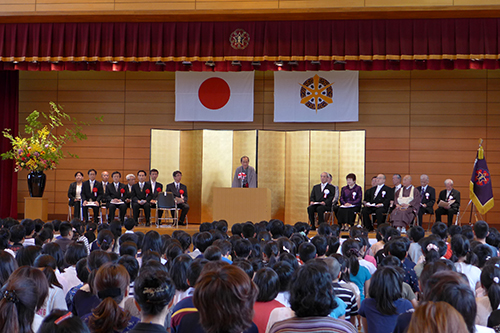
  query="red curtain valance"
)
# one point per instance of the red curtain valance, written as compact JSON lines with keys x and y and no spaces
{"x":356,"y":45}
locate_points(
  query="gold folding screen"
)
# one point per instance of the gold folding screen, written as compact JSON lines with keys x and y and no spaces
{"x":289,"y":164}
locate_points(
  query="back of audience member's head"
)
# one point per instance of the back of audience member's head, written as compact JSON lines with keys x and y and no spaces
{"x":78,"y":227}
{"x":65,"y":228}
{"x":128,"y":248}
{"x":386,"y":288}
{"x":311,"y":291}
{"x":111,"y":284}
{"x":178,"y":271}
{"x":4,"y":239}
{"x":26,"y":255}
{"x":468,"y":232}
{"x":173,"y":251}
{"x":61,"y":321}
{"x":18,"y":305}
{"x":29,"y":226}
{"x":212,"y":253}
{"x":82,"y":272}
{"x":290,"y":259}
{"x":41,"y":284}
{"x":152,"y":242}
{"x":333,"y":267}
{"x":131,"y":265}
{"x":129,"y":223}
{"x":140,"y":239}
{"x":285,"y":272}
{"x":437,"y":317}
{"x":461,"y":248}
{"x":269,"y":284}
{"x":440,"y":229}
{"x":430,"y":248}
{"x":483,"y":253}
{"x":493,"y":238}
{"x":490,"y":280}
{"x":116,"y":228}
{"x":390,"y":233}
{"x":95,"y":260}
{"x":225,"y":246}
{"x":302,"y":228}
{"x":481,"y":229}
{"x":75,"y":252}
{"x":397,"y":249}
{"x":333,"y":245}
{"x":9,"y":222}
{"x":380,"y":231}
{"x":248,"y":230}
{"x":236,"y":294}
{"x":257,"y":264}
{"x":271,"y":251}
{"x":452,"y":288}
{"x":152,"y":265}
{"x":153,"y":291}
{"x":242,"y":248}
{"x":285,"y":245}
{"x":246,"y":266}
{"x":288,"y":231}
{"x":236,"y":229}
{"x":105,"y":240}
{"x":194,"y":270}
{"x":321,"y":245}
{"x":203,"y":240}
{"x":151,"y":255}
{"x":350,"y":250}
{"x":390,"y":261}
{"x":8,"y":264}
{"x":416,"y":233}
{"x":324,"y":229}
{"x":48,"y":266}
{"x":206,"y":226}
{"x":307,"y":251}
{"x":44,"y":236}
{"x":276,"y":228}
{"x":90,"y":232}
{"x":17,"y":233}
{"x":184,"y":238}
{"x":454,"y":230}
{"x":264,"y":236}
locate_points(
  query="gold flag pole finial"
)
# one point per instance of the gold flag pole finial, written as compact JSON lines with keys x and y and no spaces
{"x":480,"y":151}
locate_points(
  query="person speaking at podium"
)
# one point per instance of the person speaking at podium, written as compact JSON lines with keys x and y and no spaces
{"x":245,"y":175}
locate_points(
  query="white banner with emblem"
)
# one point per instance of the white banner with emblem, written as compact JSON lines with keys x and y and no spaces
{"x":316,"y":96}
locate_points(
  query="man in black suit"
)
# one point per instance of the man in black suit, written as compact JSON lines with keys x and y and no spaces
{"x":450,"y":199}
{"x":320,"y":200}
{"x":377,"y":200}
{"x":92,"y":191}
{"x":427,"y":196}
{"x":396,"y":181}
{"x":154,"y":185}
{"x":117,"y":192}
{"x":141,"y":196}
{"x":180,"y":193}
{"x":104,"y":184}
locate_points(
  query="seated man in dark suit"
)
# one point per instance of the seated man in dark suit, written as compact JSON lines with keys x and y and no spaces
{"x":320,"y":200}
{"x":116,"y":193}
{"x":141,"y":196}
{"x":377,"y":200}
{"x":92,"y":192}
{"x":180,"y":193}
{"x":156,"y":187}
{"x":427,"y":196}
{"x":450,"y":202}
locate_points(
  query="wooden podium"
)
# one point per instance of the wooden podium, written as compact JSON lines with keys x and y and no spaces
{"x":238,"y":205}
{"x":36,"y":208}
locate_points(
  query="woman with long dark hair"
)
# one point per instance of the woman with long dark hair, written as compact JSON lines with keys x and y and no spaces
{"x":18,"y":303}
{"x":380,"y":312}
{"x":111,"y":284}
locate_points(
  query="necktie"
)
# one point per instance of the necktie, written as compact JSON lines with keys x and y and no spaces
{"x":177,"y":187}
{"x":104,"y":187}
{"x":142,"y":185}
{"x":116,"y":187}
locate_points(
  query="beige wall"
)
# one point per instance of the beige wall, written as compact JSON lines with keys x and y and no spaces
{"x":416,"y":122}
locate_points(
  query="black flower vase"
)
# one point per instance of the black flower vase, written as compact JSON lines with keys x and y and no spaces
{"x":36,"y":183}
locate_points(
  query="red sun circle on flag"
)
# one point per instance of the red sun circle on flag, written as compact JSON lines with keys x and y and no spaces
{"x":214,"y":93}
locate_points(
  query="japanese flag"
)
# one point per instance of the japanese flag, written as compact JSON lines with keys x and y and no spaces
{"x":203,"y":96}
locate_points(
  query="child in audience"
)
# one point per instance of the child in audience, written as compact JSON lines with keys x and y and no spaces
{"x":357,"y":273}
{"x":380,"y":312}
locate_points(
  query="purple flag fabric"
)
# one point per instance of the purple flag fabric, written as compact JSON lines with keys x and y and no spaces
{"x":481,"y":191}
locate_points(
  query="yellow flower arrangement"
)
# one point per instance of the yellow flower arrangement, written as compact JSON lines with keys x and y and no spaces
{"x":41,"y":149}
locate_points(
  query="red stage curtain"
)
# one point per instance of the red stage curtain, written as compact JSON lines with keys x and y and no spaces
{"x":355,"y":45}
{"x":9,"y":101}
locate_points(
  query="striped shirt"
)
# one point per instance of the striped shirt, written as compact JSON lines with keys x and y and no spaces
{"x":319,"y":324}
{"x":349,"y":299}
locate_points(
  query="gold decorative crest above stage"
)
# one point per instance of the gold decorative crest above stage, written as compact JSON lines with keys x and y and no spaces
{"x":289,"y":163}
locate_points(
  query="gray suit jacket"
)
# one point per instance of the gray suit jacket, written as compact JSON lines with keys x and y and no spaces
{"x":252,"y":177}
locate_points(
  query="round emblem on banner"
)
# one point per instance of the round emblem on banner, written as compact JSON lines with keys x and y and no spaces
{"x":482,"y":177}
{"x":239,"y":39}
{"x":316,"y":93}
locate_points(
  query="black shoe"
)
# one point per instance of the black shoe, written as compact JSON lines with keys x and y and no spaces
{"x":181,"y":223}
{"x":148,"y":224}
